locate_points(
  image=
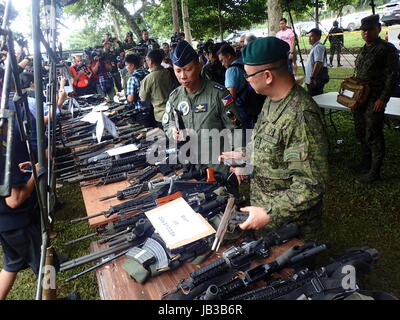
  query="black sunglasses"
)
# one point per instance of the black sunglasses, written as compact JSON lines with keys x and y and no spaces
{"x":247,"y":76}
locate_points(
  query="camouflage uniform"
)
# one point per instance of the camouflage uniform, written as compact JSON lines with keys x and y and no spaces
{"x":374,"y":64}
{"x":336,"y":42}
{"x":205,"y":109}
{"x":290,"y":162}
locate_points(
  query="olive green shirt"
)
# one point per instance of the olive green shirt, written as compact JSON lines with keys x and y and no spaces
{"x":211,"y":107}
{"x":290,"y":158}
{"x":155,"y":87}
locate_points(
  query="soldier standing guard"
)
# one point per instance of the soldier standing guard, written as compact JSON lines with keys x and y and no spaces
{"x":336,"y":41}
{"x":290,"y":145}
{"x":375,"y":64}
{"x":203,"y":104}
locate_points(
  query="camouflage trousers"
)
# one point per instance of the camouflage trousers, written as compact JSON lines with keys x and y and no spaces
{"x":369,"y":133}
{"x":335,"y":48}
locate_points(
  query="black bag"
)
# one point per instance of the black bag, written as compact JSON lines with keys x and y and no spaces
{"x":323,"y":75}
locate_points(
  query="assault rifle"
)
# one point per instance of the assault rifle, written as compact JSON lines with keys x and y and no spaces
{"x":322,"y":283}
{"x":142,"y":230}
{"x":234,"y":260}
{"x":294,"y":256}
{"x":133,"y":191}
{"x":149,"y":201}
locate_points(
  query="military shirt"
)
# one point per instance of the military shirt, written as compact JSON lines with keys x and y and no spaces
{"x":376,"y":64}
{"x":290,"y":158}
{"x":155,"y":87}
{"x":211,"y":107}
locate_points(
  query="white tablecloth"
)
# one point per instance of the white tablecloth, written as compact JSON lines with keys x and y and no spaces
{"x":328,"y":101}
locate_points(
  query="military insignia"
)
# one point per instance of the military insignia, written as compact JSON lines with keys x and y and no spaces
{"x":219,"y":87}
{"x":165,"y":118}
{"x":184,"y":107}
{"x":227,"y":100}
{"x":173,"y":91}
{"x":168,"y":107}
{"x":200,"y":108}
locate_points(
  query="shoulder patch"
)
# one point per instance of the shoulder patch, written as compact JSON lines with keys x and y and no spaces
{"x":219,"y":87}
{"x":227,"y":100}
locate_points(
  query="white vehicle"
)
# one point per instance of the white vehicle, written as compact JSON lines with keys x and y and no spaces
{"x":352,"y":21}
{"x":303,"y":27}
{"x":392,"y":35}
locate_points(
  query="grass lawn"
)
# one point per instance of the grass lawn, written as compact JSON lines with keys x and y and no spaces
{"x":354,"y":215}
{"x":351,"y":40}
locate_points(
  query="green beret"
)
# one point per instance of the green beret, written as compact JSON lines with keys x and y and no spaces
{"x":370,"y":22}
{"x":265,"y":50}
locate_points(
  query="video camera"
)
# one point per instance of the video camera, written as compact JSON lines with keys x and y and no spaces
{"x":175,"y":38}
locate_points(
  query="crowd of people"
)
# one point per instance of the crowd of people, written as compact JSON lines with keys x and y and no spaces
{"x":221,"y":87}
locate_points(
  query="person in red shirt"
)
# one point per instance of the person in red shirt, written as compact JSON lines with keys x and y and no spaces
{"x":82,"y":75}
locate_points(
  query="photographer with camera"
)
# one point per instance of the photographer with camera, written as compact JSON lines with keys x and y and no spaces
{"x":128,"y":44}
{"x":110,"y":54}
{"x":82,"y":75}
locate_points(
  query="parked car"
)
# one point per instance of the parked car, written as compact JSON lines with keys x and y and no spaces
{"x":392,"y":17}
{"x":392,"y":35}
{"x":303,"y":27}
{"x":352,"y":21}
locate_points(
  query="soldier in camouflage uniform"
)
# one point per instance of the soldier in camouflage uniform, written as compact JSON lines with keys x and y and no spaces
{"x":203,"y":104}
{"x":375,"y":64}
{"x":290,"y":145}
{"x":336,"y":41}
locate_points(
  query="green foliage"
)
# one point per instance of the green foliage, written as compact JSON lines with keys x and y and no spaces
{"x":13,"y":12}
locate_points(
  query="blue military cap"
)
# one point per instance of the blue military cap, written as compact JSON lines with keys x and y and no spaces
{"x":183,"y":54}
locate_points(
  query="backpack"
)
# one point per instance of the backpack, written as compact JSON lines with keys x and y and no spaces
{"x":252,"y":101}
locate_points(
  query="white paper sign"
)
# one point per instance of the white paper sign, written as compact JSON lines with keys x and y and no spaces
{"x":178,"y":224}
{"x":348,"y":93}
{"x":109,"y":125}
{"x":121,"y":150}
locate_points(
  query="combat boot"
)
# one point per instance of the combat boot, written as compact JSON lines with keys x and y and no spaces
{"x":373,"y":175}
{"x":363,"y":165}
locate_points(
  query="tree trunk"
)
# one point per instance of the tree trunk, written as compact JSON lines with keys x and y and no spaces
{"x":186,"y":22}
{"x":130,"y":19}
{"x":274,"y":15}
{"x":221,"y":32}
{"x":116,"y":25}
{"x":175,"y":15}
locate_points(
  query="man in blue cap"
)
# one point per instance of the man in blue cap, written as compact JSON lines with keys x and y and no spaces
{"x":203,"y":105}
{"x":290,"y":145}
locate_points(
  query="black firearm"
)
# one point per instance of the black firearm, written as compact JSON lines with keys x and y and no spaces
{"x":234,"y":260}
{"x":149,"y":201}
{"x":319,"y":283}
{"x":135,"y":190}
{"x":142,"y":230}
{"x":294,"y":256}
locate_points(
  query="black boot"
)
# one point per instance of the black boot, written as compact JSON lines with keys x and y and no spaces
{"x":373,"y":175}
{"x":363,"y":166}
